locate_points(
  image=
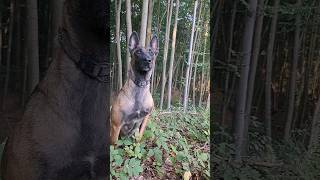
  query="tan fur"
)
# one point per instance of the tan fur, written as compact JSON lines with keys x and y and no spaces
{"x":124,"y":101}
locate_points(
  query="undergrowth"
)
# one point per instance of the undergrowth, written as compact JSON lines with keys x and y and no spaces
{"x":281,"y":160}
{"x":1,"y":152}
{"x":174,"y":145}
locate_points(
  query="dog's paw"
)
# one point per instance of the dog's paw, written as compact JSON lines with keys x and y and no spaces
{"x":137,"y":136}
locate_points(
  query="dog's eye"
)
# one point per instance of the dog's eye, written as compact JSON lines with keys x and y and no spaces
{"x":150,"y":51}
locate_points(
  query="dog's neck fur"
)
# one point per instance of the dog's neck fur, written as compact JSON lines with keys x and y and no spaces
{"x":65,"y":84}
{"x":137,"y":77}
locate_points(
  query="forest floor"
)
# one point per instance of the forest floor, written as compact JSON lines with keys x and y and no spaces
{"x":280,"y":160}
{"x":174,"y":145}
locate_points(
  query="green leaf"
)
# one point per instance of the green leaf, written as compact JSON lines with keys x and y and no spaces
{"x":118,"y":160}
{"x":150,"y":153}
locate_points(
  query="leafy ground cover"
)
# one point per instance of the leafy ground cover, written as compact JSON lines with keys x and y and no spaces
{"x":174,"y":145}
{"x":281,"y":160}
{"x":1,"y":152}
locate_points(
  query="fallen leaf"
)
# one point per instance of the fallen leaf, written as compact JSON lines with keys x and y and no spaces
{"x":187,"y":175}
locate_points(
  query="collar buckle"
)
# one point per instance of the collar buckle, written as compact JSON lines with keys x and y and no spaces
{"x":99,"y":71}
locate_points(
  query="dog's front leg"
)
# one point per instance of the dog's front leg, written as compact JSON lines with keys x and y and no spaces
{"x":115,"y":127}
{"x":143,"y":125}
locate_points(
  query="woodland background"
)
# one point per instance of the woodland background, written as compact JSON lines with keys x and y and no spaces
{"x":180,"y":83}
{"x":159,"y":18}
{"x":266,"y":89}
{"x":176,"y":142}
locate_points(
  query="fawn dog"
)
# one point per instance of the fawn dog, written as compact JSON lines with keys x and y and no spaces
{"x":63,"y":134}
{"x":133,"y":104}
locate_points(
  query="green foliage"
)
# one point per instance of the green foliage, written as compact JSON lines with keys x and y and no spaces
{"x":1,"y":153}
{"x":172,"y":144}
{"x":281,"y":160}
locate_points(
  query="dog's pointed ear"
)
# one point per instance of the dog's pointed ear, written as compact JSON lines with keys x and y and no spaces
{"x":133,"y":41}
{"x":154,"y":44}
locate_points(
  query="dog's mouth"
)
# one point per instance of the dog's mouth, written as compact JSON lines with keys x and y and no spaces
{"x":147,"y":66}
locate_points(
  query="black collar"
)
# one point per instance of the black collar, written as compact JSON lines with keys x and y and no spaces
{"x":139,"y":82}
{"x":87,"y":63}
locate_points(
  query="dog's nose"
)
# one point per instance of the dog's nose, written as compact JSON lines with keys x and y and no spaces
{"x":148,"y":60}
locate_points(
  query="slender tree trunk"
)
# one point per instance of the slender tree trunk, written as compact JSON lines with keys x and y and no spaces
{"x":118,"y":41}
{"x":55,"y":18}
{"x":194,"y":81}
{"x":32,"y":44}
{"x":242,"y":91}
{"x":153,"y":77}
{"x":268,"y":97}
{"x":202,"y":68}
{"x":149,"y":27}
{"x":215,"y":29}
{"x":181,"y":79}
{"x":195,"y":46}
{"x":208,"y":102}
{"x":8,"y":62}
{"x":185,"y":94}
{"x":292,"y":88}
{"x":129,"y":32}
{"x":144,"y":20}
{"x":165,"y":51}
{"x":314,"y":137}
{"x":17,"y":43}
{"x":173,"y":47}
{"x":208,"y":89}
{"x":253,"y":67}
{"x":24,"y":75}
{"x":226,"y":88}
{"x":307,"y":74}
{"x":149,"y":23}
{"x":1,"y":38}
{"x":176,"y":71}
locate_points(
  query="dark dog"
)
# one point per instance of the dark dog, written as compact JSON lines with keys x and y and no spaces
{"x":133,"y":105}
{"x":63,"y":134}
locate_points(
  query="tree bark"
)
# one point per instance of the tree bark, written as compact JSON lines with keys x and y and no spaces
{"x":202,"y":68}
{"x":196,"y":45}
{"x":55,"y":18}
{"x":208,"y":89}
{"x":1,"y":38}
{"x":118,"y":41}
{"x":226,"y":88}
{"x":215,"y":29}
{"x":185,"y":94}
{"x":165,"y":52}
{"x":17,"y":43}
{"x":149,"y":23}
{"x":242,"y":91}
{"x":32,"y":44}
{"x":194,"y":80}
{"x":253,"y":67}
{"x":307,"y":73}
{"x":153,"y":77}
{"x":129,"y":32}
{"x":173,"y":47}
{"x":8,"y":59}
{"x":292,"y":88}
{"x":144,"y":20}
{"x":314,"y":136}
{"x":268,"y":103}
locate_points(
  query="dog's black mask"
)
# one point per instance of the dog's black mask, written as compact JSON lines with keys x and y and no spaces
{"x":142,"y":58}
